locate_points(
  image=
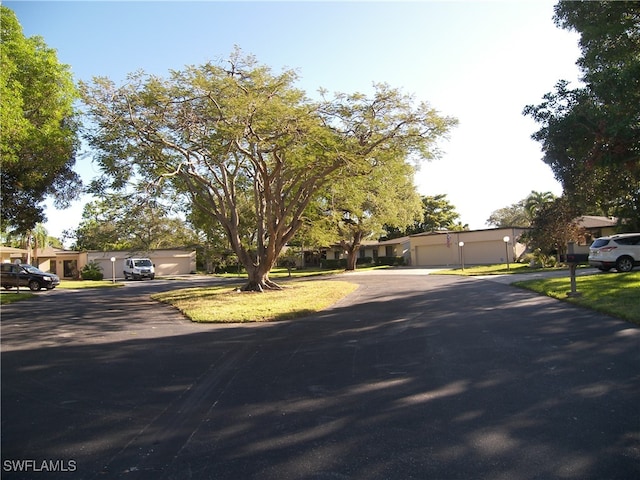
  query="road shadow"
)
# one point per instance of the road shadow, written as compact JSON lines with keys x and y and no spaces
{"x":425,"y":378}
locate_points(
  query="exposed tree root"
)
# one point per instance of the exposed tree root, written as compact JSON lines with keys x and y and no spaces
{"x":253,"y":286}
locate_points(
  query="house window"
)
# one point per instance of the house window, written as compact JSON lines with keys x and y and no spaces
{"x":70,"y":268}
{"x":388,"y":251}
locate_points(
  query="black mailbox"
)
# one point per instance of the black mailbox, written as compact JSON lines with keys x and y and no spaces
{"x":575,"y":258}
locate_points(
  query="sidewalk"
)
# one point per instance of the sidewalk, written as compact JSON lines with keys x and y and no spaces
{"x":508,"y":279}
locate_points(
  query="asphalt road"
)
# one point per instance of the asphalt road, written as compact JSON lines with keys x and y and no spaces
{"x":410,"y":377}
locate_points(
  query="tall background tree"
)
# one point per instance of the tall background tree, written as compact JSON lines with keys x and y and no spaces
{"x":522,"y":213}
{"x":590,"y":135}
{"x":248,"y":148}
{"x":554,"y":225}
{"x":131,"y":221}
{"x":437,"y":213}
{"x":361,"y":206}
{"x":39,"y":127}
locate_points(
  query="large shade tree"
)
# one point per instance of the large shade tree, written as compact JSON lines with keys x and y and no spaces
{"x":361,"y":206}
{"x":39,"y":127}
{"x":590,"y":134}
{"x":234,"y":137}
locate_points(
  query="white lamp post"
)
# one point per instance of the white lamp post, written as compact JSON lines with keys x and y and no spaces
{"x":461,"y":244}
{"x":506,"y":249}
{"x":113,"y":269}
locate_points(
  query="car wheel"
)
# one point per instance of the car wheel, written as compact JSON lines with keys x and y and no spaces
{"x":34,"y":285}
{"x":624,"y":264}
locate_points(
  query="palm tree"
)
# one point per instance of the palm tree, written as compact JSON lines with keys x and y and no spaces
{"x":536,"y":200}
{"x":38,"y":236}
{"x":31,"y":240}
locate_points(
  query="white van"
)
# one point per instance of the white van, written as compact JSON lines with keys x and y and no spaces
{"x":139,"y":268}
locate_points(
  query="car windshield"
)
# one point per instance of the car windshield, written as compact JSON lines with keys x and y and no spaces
{"x":31,"y":269}
{"x":142,"y":263}
{"x":601,"y":242}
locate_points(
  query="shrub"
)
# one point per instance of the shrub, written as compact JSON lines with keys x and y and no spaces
{"x":333,"y":264}
{"x":391,"y":261}
{"x":364,"y":261}
{"x":92,"y":271}
{"x":539,"y":259}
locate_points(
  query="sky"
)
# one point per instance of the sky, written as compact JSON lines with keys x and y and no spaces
{"x":479,"y":61}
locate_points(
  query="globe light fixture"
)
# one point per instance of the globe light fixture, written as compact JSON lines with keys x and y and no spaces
{"x":506,"y":239}
{"x":113,"y":269}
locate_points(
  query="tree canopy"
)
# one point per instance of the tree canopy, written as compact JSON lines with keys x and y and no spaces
{"x":437,"y":213}
{"x":362,"y":206}
{"x":131,"y":222}
{"x":522,"y":213}
{"x":243,"y":146}
{"x":590,"y":135}
{"x":39,"y":127}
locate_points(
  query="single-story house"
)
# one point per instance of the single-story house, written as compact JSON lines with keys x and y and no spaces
{"x":594,"y":227}
{"x":167,"y":262}
{"x":473,"y":247}
{"x":433,"y":249}
{"x":69,"y":263}
{"x":397,"y":247}
{"x":11,"y":254}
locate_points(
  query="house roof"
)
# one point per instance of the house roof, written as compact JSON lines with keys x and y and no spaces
{"x":50,"y":251}
{"x":593,"y":221}
{"x":4,"y":249}
{"x":394,"y":241}
{"x":444,"y":232}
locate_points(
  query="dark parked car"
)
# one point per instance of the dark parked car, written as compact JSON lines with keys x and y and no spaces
{"x":13,"y":275}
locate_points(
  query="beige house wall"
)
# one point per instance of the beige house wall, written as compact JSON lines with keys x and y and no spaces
{"x":480,"y":247}
{"x":64,"y":263}
{"x":11,"y":254}
{"x":400,"y":247}
{"x":167,"y":262}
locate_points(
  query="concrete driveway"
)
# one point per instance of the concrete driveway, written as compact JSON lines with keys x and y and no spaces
{"x":411,"y":376}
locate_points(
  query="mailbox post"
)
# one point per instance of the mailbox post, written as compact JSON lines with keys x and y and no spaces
{"x":572,"y":269}
{"x":573,"y":260}
{"x":17,"y":263}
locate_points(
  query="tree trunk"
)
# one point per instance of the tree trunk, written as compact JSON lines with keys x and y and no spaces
{"x":352,"y":259}
{"x":259,"y":279}
{"x":352,"y":250}
{"x":352,"y":256}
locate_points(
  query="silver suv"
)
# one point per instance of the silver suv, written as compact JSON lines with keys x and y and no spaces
{"x":621,"y":252}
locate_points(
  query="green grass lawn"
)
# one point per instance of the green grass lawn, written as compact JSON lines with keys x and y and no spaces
{"x":616,"y":294}
{"x":226,"y":304}
{"x":10,"y":296}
